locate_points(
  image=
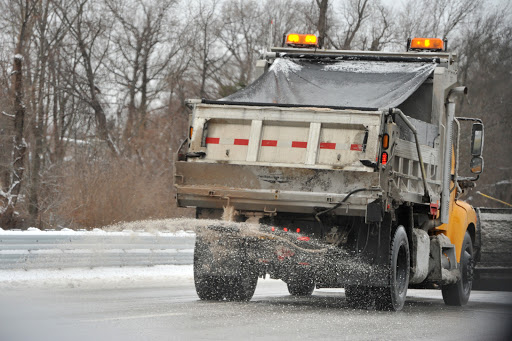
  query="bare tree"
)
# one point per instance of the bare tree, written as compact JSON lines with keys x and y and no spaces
{"x":285,"y":18}
{"x":436,"y":18}
{"x":354,"y":14}
{"x":321,"y":27}
{"x":486,"y":64}
{"x":144,"y":46}
{"x":87,"y":29}
{"x":9,"y":196}
{"x":244,"y":35}
{"x":48,"y":34}
{"x":381,"y":29}
{"x":210,"y":58}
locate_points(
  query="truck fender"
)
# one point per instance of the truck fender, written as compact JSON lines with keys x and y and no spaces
{"x":421,"y":250}
{"x":462,"y":219}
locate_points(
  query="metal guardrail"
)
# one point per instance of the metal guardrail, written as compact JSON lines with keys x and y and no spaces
{"x":36,"y":249}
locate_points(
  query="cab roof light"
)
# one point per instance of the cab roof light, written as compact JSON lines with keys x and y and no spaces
{"x":431,"y":44}
{"x":301,"y":40}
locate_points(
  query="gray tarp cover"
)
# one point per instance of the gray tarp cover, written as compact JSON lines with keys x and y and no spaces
{"x":342,"y":83}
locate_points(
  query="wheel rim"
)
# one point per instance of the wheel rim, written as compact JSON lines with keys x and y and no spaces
{"x":401,"y":269}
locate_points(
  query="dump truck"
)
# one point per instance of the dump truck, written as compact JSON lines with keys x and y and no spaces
{"x":337,"y":169}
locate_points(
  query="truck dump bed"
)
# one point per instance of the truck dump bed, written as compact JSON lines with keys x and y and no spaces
{"x":289,"y":159}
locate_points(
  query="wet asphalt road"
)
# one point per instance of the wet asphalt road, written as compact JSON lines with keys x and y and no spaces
{"x":155,"y":311}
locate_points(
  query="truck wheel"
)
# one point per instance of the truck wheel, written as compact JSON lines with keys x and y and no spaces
{"x":208,"y":287}
{"x":242,"y":287}
{"x":214,"y":281}
{"x":458,"y":293}
{"x":392,"y":297}
{"x":303,"y":286}
{"x":358,"y":296}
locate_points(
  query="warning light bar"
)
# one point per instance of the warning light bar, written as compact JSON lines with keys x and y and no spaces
{"x":432,"y":44}
{"x":301,"y":40}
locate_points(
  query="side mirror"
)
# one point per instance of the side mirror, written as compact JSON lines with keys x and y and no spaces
{"x":477,"y":165}
{"x":477,"y":141}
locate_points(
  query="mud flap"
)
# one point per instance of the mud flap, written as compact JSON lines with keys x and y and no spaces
{"x":443,"y":261}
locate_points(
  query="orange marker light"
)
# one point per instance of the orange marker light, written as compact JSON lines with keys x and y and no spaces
{"x":427,"y":43}
{"x":191,"y":131}
{"x":385,"y":141}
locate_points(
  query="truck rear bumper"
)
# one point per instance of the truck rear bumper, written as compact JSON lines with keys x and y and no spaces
{"x":273,"y":189}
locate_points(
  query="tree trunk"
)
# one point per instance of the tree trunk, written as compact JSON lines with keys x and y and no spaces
{"x":99,"y":113}
{"x":322,"y":21}
{"x":9,"y":203}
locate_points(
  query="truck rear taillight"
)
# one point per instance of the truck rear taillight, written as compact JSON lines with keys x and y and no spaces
{"x":384,"y":158}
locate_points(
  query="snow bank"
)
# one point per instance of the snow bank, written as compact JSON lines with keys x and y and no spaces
{"x":181,"y":227}
{"x":109,"y":277}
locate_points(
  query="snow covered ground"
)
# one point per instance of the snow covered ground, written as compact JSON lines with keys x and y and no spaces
{"x":106,"y":276}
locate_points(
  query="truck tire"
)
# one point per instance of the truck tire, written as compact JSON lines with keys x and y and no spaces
{"x":214,"y":282}
{"x":303,"y":286}
{"x":392,"y":297}
{"x":208,"y":287}
{"x":242,"y":287}
{"x":458,"y":294}
{"x":358,"y":296}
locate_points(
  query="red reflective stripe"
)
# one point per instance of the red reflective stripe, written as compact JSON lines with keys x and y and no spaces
{"x":241,"y":142}
{"x":212,"y":140}
{"x":327,"y":145}
{"x":356,"y":147}
{"x":269,"y":143}
{"x":299,"y":144}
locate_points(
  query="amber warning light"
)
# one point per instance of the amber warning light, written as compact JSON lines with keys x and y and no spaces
{"x":306,"y":40}
{"x":427,"y":44}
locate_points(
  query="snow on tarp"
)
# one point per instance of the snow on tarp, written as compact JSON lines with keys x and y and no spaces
{"x":342,"y":83}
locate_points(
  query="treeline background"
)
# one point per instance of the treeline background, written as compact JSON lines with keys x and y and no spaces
{"x":92,"y":92}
